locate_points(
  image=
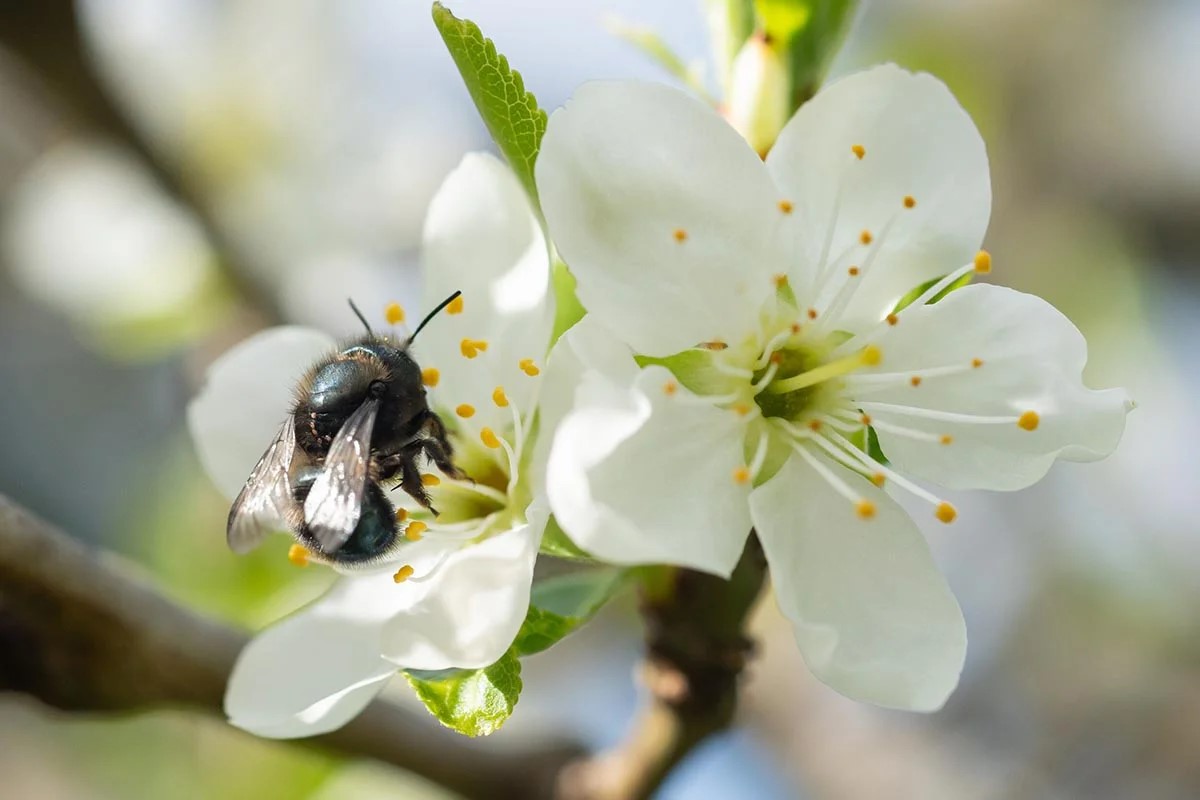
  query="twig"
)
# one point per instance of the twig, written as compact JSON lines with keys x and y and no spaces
{"x":81,"y":632}
{"x":696,"y":649}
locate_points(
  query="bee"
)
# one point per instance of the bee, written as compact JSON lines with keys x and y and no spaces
{"x":360,"y":418}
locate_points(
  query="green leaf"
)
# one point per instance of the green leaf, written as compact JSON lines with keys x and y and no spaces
{"x":555,"y":542}
{"x":911,"y":297}
{"x":511,"y":114}
{"x":473,"y":702}
{"x":809,"y":33}
{"x":560,"y":605}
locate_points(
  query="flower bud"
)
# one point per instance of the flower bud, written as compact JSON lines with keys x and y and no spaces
{"x":758,"y":93}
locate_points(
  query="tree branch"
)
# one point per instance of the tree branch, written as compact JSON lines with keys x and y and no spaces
{"x":81,"y":632}
{"x":696,"y":650}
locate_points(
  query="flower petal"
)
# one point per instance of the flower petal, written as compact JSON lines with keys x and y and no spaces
{"x":246,"y":396}
{"x":872,"y":615}
{"x":918,"y":143}
{"x":665,"y":215}
{"x":627,"y":466}
{"x":470,"y":607}
{"x":1031,"y":359}
{"x":482,"y":238}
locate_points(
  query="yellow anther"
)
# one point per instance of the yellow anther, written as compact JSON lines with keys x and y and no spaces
{"x":715,"y":344}
{"x":865,"y":419}
{"x":468,"y":349}
{"x":871,"y":355}
{"x":403,"y":574}
{"x":983,"y":262}
{"x":976,"y":362}
{"x":853,"y":271}
{"x":489,"y":438}
{"x":1029,"y":421}
{"x":814,"y":425}
{"x":859,"y":151}
{"x":776,"y":358}
{"x":946,"y":513}
{"x":946,"y":438}
{"x":429,"y":479}
{"x":910,"y":201}
{"x":741,"y":475}
{"x":786,"y":206}
{"x":298,"y":555}
{"x":528,"y":367}
{"x":680,"y":235}
{"x":415,"y":530}
{"x":812,"y":313}
{"x":795,"y":327}
{"x":741,"y":409}
{"x":430,"y":376}
{"x":455,"y":306}
{"x":394,"y":313}
{"x":892,"y":319}
{"x":401,"y":514}
{"x":915,"y":380}
{"x":879,"y":479}
{"x":865,"y":509}
{"x":670,"y":388}
{"x":499,"y":397}
{"x":865,"y":237}
{"x":780,"y":280}
{"x":465,"y":410}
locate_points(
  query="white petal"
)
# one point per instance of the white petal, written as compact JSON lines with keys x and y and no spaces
{"x":918,"y":142}
{"x":872,"y":615}
{"x":246,"y":396}
{"x":627,"y":468}
{"x":624,"y":168}
{"x":471,"y":606}
{"x":1033,"y":359}
{"x":482,"y":238}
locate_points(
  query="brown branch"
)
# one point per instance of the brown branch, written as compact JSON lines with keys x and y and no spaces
{"x":696,"y":649}
{"x":81,"y":632}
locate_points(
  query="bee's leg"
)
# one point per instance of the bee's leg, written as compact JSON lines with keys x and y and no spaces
{"x":410,"y":481}
{"x":436,"y":446}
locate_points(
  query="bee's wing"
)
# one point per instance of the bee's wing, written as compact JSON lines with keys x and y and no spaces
{"x":263,"y":504}
{"x":334,"y":503}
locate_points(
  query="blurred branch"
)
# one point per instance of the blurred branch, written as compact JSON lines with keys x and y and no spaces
{"x":81,"y":632}
{"x":47,"y":38}
{"x":696,"y":650}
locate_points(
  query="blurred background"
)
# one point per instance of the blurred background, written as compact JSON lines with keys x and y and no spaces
{"x":175,"y":174}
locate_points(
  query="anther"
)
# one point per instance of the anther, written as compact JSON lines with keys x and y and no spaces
{"x":455,"y":306}
{"x":780,"y":280}
{"x":528,"y":367}
{"x":859,"y":151}
{"x":946,"y":438}
{"x":472,"y":347}
{"x":1029,"y":421}
{"x":499,"y":397}
{"x":853,"y":271}
{"x":741,"y":409}
{"x":403,"y":574}
{"x":401,"y":514}
{"x":776,"y":358}
{"x":394,"y":313}
{"x":892,"y":319}
{"x":814,"y":425}
{"x":298,"y":555}
{"x":715,"y":345}
{"x":865,"y":237}
{"x":680,"y":235}
{"x":865,"y":419}
{"x":910,"y":201}
{"x":430,"y":376}
{"x":879,"y":479}
{"x":946,"y":513}
{"x":871,"y":355}
{"x":983,"y":262}
{"x":429,"y":479}
{"x":865,"y":509}
{"x":465,"y":410}
{"x":670,"y":388}
{"x":489,"y":438}
{"x":976,"y":362}
{"x":785,"y":206}
{"x":415,"y":530}
{"x":741,"y":476}
{"x":915,"y":380}
{"x":795,"y":328}
{"x":812,"y":313}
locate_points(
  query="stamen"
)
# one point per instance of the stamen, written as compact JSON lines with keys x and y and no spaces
{"x":415,"y":530}
{"x":499,"y":397}
{"x":833,"y":480}
{"x":983,"y":262}
{"x":765,"y":381}
{"x":489,"y":438}
{"x":853,"y":272}
{"x":865,"y":237}
{"x":394,"y":313}
{"x":298,"y":555}
{"x":945,"y":438}
{"x":528,"y":366}
{"x":455,"y":306}
{"x":868,"y":356}
{"x":670,"y":388}
{"x":773,"y":344}
{"x":680,"y":235}
{"x":430,"y":376}
{"x":429,"y":479}
{"x":720,"y":365}
{"x":760,"y":454}
{"x":892,"y":319}
{"x":741,"y":409}
{"x":780,"y":280}
{"x":865,"y":509}
{"x":880,"y":473}
{"x":403,"y":574}
{"x":976,"y":362}
{"x":879,"y":380}
{"x":716,"y":345}
{"x":401,"y":514}
{"x":915,"y":380}
{"x":465,"y":410}
{"x":910,"y":201}
{"x":741,"y":475}
{"x":858,"y":150}
{"x":946,"y":513}
{"x":472,"y":347}
{"x":1028,"y":421}
{"x":941,"y":416}
{"x":910,"y":433}
{"x":785,"y":206}
{"x":812,"y":313}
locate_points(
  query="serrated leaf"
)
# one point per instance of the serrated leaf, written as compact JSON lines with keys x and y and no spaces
{"x":511,"y":113}
{"x":560,"y":605}
{"x":472,"y":702}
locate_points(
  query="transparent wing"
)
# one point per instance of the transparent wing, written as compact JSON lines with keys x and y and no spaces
{"x":263,"y":504}
{"x":334,"y":503}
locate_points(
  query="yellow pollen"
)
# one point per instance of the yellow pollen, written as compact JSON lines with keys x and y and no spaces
{"x":983,"y":262}
{"x":946,"y":439}
{"x":1029,"y":421}
{"x":499,"y":397}
{"x":528,"y":367}
{"x":741,"y":409}
{"x":670,"y":388}
{"x":394,"y":313}
{"x":472,"y":347}
{"x":298,"y":555}
{"x":403,"y":574}
{"x":812,"y":313}
{"x":741,"y":475}
{"x":429,"y":479}
{"x":865,"y":237}
{"x":780,"y":280}
{"x":489,"y":438}
{"x":785,"y":206}
{"x":430,"y":376}
{"x":915,"y":380}
{"x":814,"y":425}
{"x":879,"y":479}
{"x":401,"y":514}
{"x":415,"y":530}
{"x":456,"y":306}
{"x":865,"y":509}
{"x":976,"y":362}
{"x":853,"y":271}
{"x":892,"y":319}
{"x":910,"y":201}
{"x":865,"y":419}
{"x":946,"y":513}
{"x":871,"y":355}
{"x":859,"y":151}
{"x":680,"y":235}
{"x":466,"y":410}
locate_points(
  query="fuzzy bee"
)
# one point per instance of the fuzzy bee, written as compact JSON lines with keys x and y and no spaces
{"x":360,"y":418}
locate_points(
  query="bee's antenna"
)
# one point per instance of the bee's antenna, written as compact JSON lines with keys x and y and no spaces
{"x":433,"y":314}
{"x":360,"y":316}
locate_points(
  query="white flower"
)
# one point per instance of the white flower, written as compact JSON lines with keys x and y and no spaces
{"x":459,"y":589}
{"x":765,"y":292}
